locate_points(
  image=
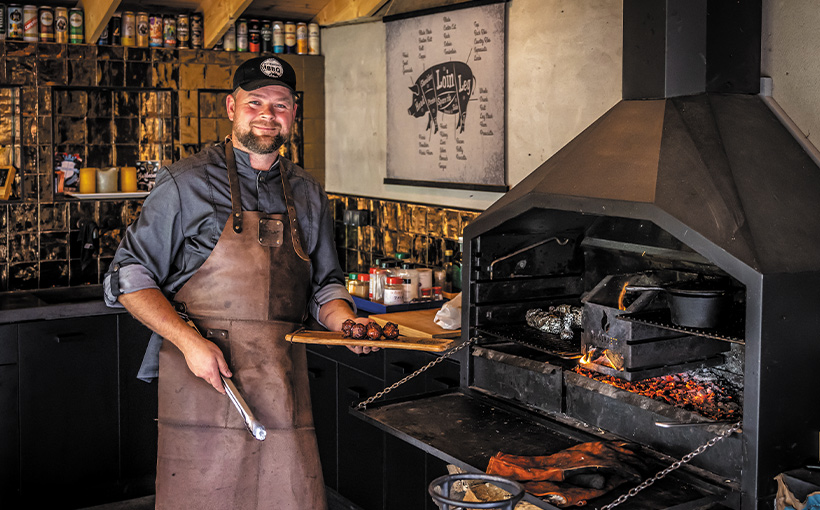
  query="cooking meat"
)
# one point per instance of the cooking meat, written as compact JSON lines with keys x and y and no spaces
{"x":358,"y":331}
{"x":346,"y":325}
{"x":390,"y":330}
{"x":374,"y":331}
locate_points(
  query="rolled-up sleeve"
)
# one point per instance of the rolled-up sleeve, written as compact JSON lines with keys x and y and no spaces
{"x":146,"y":254}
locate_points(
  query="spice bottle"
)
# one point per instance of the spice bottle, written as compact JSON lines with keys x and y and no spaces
{"x":410,"y":278}
{"x":363,"y":285}
{"x":394,"y":291}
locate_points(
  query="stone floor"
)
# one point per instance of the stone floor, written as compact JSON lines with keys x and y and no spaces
{"x":334,"y":502}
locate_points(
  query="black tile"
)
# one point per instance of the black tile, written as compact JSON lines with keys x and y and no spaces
{"x":29,"y":159}
{"x":110,"y":52}
{"x":20,"y":71}
{"x":126,"y":155}
{"x":52,"y":50}
{"x":110,"y":73}
{"x":100,"y":156}
{"x":46,"y":187}
{"x":70,"y":131}
{"x":44,"y":129}
{"x":139,"y":74}
{"x":23,"y":276}
{"x":99,"y":130}
{"x":82,"y":212}
{"x":53,"y":274}
{"x":23,"y":247}
{"x":81,"y":73}
{"x":44,"y":104}
{"x":20,"y":49}
{"x":126,"y":103}
{"x":54,"y":217}
{"x":138,"y":54}
{"x":83,"y":276}
{"x":51,"y":71}
{"x":54,"y":246}
{"x":126,"y":129}
{"x":82,"y":51}
{"x":4,"y":277}
{"x":70,"y":102}
{"x":100,"y":104}
{"x":29,"y":131}
{"x":164,"y":55}
{"x":28,"y":101}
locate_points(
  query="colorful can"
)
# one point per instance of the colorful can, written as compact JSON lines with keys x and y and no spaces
{"x":142,"y":29}
{"x":61,"y":25}
{"x":241,"y":34}
{"x":254,"y":36}
{"x":278,"y":30}
{"x":169,"y":32}
{"x":15,"y":22}
{"x":183,"y":31}
{"x":229,"y":40}
{"x":196,"y":31}
{"x":301,"y":39}
{"x":266,"y":31}
{"x":3,"y":23}
{"x":313,"y":39}
{"x":104,"y":38}
{"x":46,"y":17}
{"x":290,"y":37}
{"x":155,"y":39}
{"x":30,"y":28}
{"x":76,"y":26}
{"x":129,"y":29}
{"x":115,"y":29}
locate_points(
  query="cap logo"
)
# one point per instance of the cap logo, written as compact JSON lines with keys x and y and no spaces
{"x":271,"y":68}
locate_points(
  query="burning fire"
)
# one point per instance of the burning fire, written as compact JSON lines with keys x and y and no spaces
{"x":621,"y":305}
{"x":683,"y":390}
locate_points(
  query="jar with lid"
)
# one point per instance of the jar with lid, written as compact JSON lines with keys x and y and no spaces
{"x":377,"y":277}
{"x":410,"y":279}
{"x":362,"y":285}
{"x":394,"y":291}
{"x":352,"y":278}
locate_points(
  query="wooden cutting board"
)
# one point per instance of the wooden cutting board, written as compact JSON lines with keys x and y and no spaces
{"x":402,"y":342}
{"x":417,"y":323}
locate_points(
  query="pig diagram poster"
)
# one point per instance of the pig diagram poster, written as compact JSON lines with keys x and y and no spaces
{"x":445,"y":99}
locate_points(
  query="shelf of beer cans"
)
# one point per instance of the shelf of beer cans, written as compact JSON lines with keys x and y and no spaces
{"x":64,"y":25}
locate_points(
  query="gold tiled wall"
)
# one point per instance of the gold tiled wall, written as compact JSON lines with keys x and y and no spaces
{"x":423,"y":231}
{"x":40,"y":230}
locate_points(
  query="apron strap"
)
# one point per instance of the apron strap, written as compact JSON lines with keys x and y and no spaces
{"x":233,"y":180}
{"x":294,"y":222}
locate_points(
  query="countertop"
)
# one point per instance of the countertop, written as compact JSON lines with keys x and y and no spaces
{"x":56,"y":303}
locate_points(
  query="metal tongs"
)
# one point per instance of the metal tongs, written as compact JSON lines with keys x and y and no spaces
{"x":256,"y":429}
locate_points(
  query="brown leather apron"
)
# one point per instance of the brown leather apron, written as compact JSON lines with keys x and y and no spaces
{"x":251,"y":291}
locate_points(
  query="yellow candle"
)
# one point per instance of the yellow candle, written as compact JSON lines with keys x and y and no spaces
{"x":128,"y":179}
{"x":88,"y":180}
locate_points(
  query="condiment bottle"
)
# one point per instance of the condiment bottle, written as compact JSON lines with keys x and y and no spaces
{"x":363,"y":285}
{"x":410,"y":279}
{"x":394,"y":291}
{"x":351,"y":283}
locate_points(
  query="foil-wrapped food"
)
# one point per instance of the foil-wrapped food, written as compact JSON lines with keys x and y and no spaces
{"x":557,"y":320}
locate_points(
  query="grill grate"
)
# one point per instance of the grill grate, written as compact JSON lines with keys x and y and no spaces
{"x":660,"y":319}
{"x":535,"y":339}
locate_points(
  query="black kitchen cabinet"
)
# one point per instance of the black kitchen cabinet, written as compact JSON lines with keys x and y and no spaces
{"x":69,"y":425}
{"x":322,"y":377}
{"x":9,"y":423}
{"x":138,"y":412}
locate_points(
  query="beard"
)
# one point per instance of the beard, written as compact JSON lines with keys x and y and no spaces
{"x":259,"y":144}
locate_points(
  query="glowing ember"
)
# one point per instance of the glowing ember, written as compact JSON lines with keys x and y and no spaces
{"x":683,"y":390}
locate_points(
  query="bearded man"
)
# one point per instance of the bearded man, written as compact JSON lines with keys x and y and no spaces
{"x":238,"y":242}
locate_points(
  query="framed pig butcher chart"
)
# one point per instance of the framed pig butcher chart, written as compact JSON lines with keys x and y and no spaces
{"x":445,"y":98}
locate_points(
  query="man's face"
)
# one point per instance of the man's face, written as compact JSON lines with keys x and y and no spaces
{"x":262,"y":118}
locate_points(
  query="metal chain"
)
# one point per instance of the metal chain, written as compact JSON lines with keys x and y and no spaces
{"x":363,"y":405}
{"x":675,"y":465}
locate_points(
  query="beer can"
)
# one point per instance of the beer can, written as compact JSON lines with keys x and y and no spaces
{"x":15,"y":22}
{"x":115,"y":29}
{"x":229,"y":40}
{"x":278,"y":30}
{"x":290,"y":37}
{"x":129,"y":29}
{"x":155,"y":39}
{"x":30,"y":28}
{"x":3,"y":23}
{"x":61,"y":25}
{"x":301,"y":39}
{"x":142,"y":29}
{"x":76,"y":26}
{"x":169,"y":32}
{"x":220,"y":44}
{"x":104,"y":38}
{"x":241,"y":34}
{"x":183,"y":31}
{"x":46,"y":16}
{"x":196,"y":31}
{"x":254,"y":36}
{"x":313,"y":39}
{"x":267,"y":37}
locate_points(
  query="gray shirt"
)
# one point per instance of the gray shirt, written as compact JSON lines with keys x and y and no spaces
{"x":183,"y":216}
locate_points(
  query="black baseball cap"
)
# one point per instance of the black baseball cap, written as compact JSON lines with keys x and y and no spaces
{"x":263,"y":71}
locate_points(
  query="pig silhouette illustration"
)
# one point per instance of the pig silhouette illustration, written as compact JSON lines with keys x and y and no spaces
{"x":443,"y":88}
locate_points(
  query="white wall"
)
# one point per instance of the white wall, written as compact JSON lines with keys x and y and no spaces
{"x":564,"y":71}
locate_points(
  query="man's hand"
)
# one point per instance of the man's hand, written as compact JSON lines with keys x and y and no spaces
{"x":334,"y":313}
{"x":203,"y":357}
{"x":360,"y":349}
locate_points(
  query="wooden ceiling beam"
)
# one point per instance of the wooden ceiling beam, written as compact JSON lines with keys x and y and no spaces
{"x":338,"y":11}
{"x":217,"y":16}
{"x":97,"y":13}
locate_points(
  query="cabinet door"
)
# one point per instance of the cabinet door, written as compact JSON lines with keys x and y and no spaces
{"x":68,"y":411}
{"x":322,"y":377}
{"x":9,"y":422}
{"x":138,"y":412}
{"x":361,"y":445}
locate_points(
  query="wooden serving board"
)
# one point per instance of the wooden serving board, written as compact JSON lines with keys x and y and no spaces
{"x":402,"y":342}
{"x":417,"y":323}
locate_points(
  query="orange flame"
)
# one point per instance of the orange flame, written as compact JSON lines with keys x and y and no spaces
{"x":621,"y":297}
